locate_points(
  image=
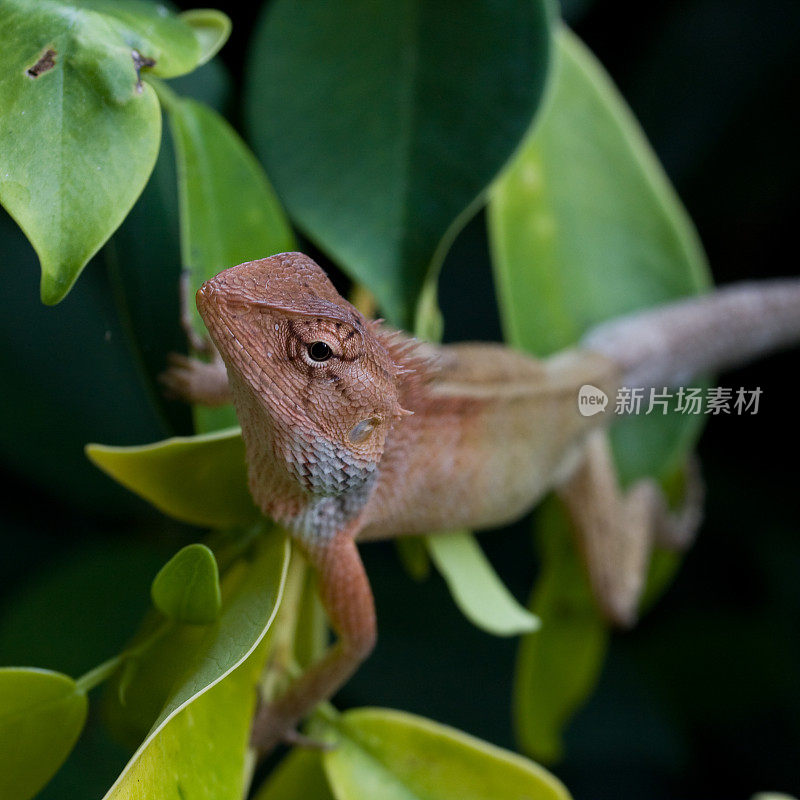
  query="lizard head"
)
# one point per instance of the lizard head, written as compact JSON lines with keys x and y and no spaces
{"x":305,"y":355}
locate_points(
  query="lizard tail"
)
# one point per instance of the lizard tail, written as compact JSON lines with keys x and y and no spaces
{"x":669,"y":345}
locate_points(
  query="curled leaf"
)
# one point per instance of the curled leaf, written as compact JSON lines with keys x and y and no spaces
{"x":197,"y":479}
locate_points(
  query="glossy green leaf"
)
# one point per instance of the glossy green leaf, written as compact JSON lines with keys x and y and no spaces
{"x":200,"y":753}
{"x":197,"y":479}
{"x":186,"y":588}
{"x":558,"y":667}
{"x":189,"y":742}
{"x":299,"y":776}
{"x":228,"y":211}
{"x":475,"y":586}
{"x":143,"y":260}
{"x":79,"y":131}
{"x":382,"y":122}
{"x":178,"y":43}
{"x":397,"y":756}
{"x":584,"y":226}
{"x":41,"y":716}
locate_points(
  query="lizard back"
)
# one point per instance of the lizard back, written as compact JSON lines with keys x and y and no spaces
{"x":492,"y":430}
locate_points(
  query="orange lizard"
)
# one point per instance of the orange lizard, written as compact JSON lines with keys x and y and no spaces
{"x":354,"y":431}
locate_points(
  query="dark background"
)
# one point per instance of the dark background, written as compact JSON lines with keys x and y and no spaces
{"x":702,"y":700}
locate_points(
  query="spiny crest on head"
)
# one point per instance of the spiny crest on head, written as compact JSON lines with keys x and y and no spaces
{"x":414,"y":361}
{"x":293,"y":282}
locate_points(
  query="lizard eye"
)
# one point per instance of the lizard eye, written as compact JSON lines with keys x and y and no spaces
{"x":319,"y":351}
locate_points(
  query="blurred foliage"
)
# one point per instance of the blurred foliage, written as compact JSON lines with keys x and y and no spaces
{"x":700,"y":701}
{"x":589,"y":226}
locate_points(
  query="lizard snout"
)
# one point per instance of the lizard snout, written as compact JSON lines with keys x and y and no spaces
{"x":205,"y":295}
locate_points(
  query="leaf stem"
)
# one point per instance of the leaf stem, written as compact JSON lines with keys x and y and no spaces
{"x":100,"y":673}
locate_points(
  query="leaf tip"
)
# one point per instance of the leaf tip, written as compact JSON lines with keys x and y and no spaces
{"x":186,"y":589}
{"x":212,"y":29}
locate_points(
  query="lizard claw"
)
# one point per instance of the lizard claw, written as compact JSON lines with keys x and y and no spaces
{"x":271,"y":727}
{"x":195,"y":381}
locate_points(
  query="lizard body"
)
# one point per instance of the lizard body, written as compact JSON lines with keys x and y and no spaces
{"x":492,"y":430}
{"x":354,"y":431}
{"x":449,"y":436}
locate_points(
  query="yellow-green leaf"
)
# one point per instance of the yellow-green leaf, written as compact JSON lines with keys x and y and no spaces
{"x":211,"y":28}
{"x":41,"y":716}
{"x":299,"y":776}
{"x":200,"y":753}
{"x":197,"y":479}
{"x":476,"y":588}
{"x":392,"y":755}
{"x":228,"y":211}
{"x":199,"y":739}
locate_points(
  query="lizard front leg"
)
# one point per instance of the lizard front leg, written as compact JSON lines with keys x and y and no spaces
{"x":195,"y":381}
{"x":616,"y":529}
{"x":191,"y":379}
{"x":347,"y":598}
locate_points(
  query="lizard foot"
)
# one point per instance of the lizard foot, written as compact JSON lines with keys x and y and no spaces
{"x":195,"y":381}
{"x":274,"y":725}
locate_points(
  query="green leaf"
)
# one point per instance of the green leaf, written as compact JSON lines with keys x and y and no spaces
{"x":186,"y":588}
{"x":178,"y":43}
{"x":478,"y":591}
{"x":200,"y":753}
{"x":559,"y":666}
{"x":212,"y":29}
{"x":41,"y":716}
{"x":201,"y":480}
{"x":143,"y":258}
{"x":229,"y":212}
{"x":298,"y":777}
{"x":584,"y":226}
{"x":79,"y":132}
{"x":190,"y":737}
{"x":397,"y":756}
{"x":382,"y":122}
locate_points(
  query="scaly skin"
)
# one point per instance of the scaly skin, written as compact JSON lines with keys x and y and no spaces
{"x":355,"y":432}
{"x":382,"y":438}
